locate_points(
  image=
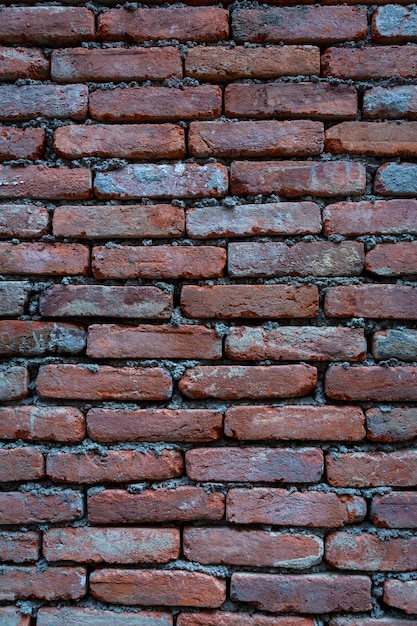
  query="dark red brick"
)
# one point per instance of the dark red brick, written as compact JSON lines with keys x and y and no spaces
{"x":40,"y":181}
{"x":372,"y":469}
{"x":370,"y":553}
{"x":52,"y":583}
{"x":371,"y":383}
{"x":23,"y":63}
{"x":370,"y":62}
{"x":59,"y":423}
{"x":36,"y":508}
{"x":374,"y":301}
{"x":55,"y":259}
{"x":17,"y":143}
{"x":395,"y":510}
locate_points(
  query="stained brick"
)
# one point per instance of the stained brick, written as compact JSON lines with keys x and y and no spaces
{"x":35,"y":508}
{"x":394,"y":24}
{"x":44,"y":423}
{"x":390,"y":102}
{"x":395,"y":344}
{"x":391,"y":217}
{"x":19,"y":464}
{"x":371,"y":469}
{"x":27,"y":338}
{"x":401,"y":595}
{"x":19,"y":547}
{"x":23,"y":220}
{"x":54,"y":259}
{"x":396,"y":179}
{"x":395,"y":510}
{"x":14,"y":382}
{"x":391,"y":424}
{"x":81,"y":616}
{"x":27,"y":102}
{"x":370,"y":553}
{"x":23,"y":63}
{"x":53,"y":583}
{"x":17,"y":143}
{"x":13,"y":297}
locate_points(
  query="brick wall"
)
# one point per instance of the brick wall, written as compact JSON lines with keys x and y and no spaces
{"x":208,"y":382}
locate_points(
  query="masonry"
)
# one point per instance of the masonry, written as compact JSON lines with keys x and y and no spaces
{"x":208,"y":256}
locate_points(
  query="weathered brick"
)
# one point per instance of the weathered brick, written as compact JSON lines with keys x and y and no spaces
{"x":316,"y":25}
{"x":130,"y":141}
{"x":395,"y":344}
{"x":394,"y":24}
{"x":390,"y":102}
{"x":222,"y":64}
{"x":19,"y":547}
{"x":112,"y":545}
{"x":293,"y":343}
{"x":115,"y":64}
{"x":112,"y":425}
{"x":27,"y":338}
{"x":298,"y":178}
{"x":257,"y":548}
{"x":11,"y":616}
{"x":40,"y":181}
{"x":252,"y":139}
{"x":27,"y":102}
{"x":370,"y":553}
{"x":37,"y":508}
{"x":182,"y":180}
{"x":105,"y":301}
{"x":18,"y":143}
{"x":370,"y":621}
{"x":371,"y":383}
{"x":47,"y":25}
{"x":377,"y":301}
{"x":104,"y":382}
{"x":53,"y":583}
{"x":391,"y":217}
{"x":396,"y":179}
{"x":23,"y":220}
{"x":66,"y":616}
{"x":395,"y":510}
{"x":182,"y":504}
{"x":325,"y":423}
{"x":23,"y":63}
{"x":313,"y":593}
{"x":239,"y":381}
{"x":206,"y":24}
{"x":370,"y":62}
{"x":144,"y":104}
{"x":291,"y":100}
{"x":280,"y":507}
{"x":382,"y":139}
{"x":392,"y":259}
{"x":391,"y":424}
{"x":159,"y":262}
{"x":401,"y":594}
{"x":13,"y":297}
{"x":372,"y":469}
{"x":18,"y":464}
{"x":14,"y":382}
{"x":312,"y":258}
{"x":59,"y":423}
{"x":274,"y":218}
{"x":224,"y":618}
{"x":55,"y":259}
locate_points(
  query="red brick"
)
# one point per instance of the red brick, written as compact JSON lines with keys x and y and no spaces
{"x":11,"y":616}
{"x":182,"y":504}
{"x":23,"y":220}
{"x":252,"y":139}
{"x":371,"y":383}
{"x":396,"y":179}
{"x":184,"y":425}
{"x":394,"y":424}
{"x":397,"y":344}
{"x":124,"y":221}
{"x":304,"y":465}
{"x":37,"y":508}
{"x":27,"y":338}
{"x":313,"y":593}
{"x":105,"y":300}
{"x":14,"y":382}
{"x":298,"y":178}
{"x":94,"y":617}
{"x":13,"y":297}
{"x":23,"y":63}
{"x":59,"y":423}
{"x":382,"y":139}
{"x":222,"y":64}
{"x":115,"y":64}
{"x":370,"y":621}
{"x":130,"y":141}
{"x":159,"y":262}
{"x":18,"y":143}
{"x":144,"y":104}
{"x":394,"y":24}
{"x":230,"y":382}
{"x":166,"y":588}
{"x":390,"y":102}
{"x":377,"y":301}
{"x":47,"y":25}
{"x":27,"y":102}
{"x":274,"y":218}
{"x":395,"y":510}
{"x":392,"y":259}
{"x":280,"y":507}
{"x":40,"y":181}
{"x":391,"y":217}
{"x":153,"y":342}
{"x":401,"y":595}
{"x":114,"y":466}
{"x":55,"y":259}
{"x":293,"y":343}
{"x":253,"y":548}
{"x":112,"y":545}
{"x":206,"y":24}
{"x":53,"y":583}
{"x":372,"y":469}
{"x":224,"y":618}
{"x":291,"y":100}
{"x":370,"y":62}
{"x":79,"y":382}
{"x":370,"y":553}
{"x":18,"y":464}
{"x":316,"y":25}
{"x":19,"y":547}
{"x":304,"y":422}
{"x":311,"y":258}
{"x":182,"y":180}
{"x":228,"y":301}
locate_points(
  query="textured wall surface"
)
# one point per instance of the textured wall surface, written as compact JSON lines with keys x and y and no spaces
{"x":208,"y":376}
